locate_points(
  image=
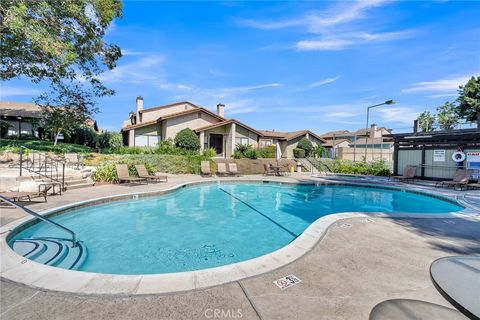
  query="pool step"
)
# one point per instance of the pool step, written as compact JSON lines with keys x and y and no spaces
{"x":52,"y":251}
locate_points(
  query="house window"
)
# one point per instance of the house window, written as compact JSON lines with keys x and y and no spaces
{"x":241,"y":140}
{"x":146,"y":140}
{"x":266,"y":142}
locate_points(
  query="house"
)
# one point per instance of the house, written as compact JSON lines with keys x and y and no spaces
{"x":288,"y":140}
{"x":148,"y":126}
{"x":23,"y":118}
{"x":375,"y":142}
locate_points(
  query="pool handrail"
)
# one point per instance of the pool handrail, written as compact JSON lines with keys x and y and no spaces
{"x":36,"y":215}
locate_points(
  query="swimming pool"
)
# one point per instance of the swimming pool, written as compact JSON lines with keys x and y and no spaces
{"x":211,"y":225}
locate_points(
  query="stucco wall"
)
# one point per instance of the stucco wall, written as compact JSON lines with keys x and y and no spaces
{"x":244,"y":133}
{"x":154,"y":115}
{"x":192,"y":121}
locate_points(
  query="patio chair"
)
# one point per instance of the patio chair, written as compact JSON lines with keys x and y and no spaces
{"x":408,"y":174}
{"x":268,"y":170}
{"x":222,"y":169}
{"x":143,"y":173}
{"x":124,"y":176}
{"x":205,"y":168}
{"x":73,"y":160}
{"x":461,"y":179}
{"x":233,"y":170}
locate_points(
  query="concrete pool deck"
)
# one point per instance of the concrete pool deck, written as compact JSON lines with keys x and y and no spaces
{"x":360,"y":262}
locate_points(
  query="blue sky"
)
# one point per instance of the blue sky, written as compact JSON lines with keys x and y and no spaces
{"x":289,"y":65}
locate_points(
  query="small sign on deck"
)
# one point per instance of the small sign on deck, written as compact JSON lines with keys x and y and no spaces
{"x":286,"y":282}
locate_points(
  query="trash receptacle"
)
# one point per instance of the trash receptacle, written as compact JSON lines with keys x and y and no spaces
{"x":299,"y":167}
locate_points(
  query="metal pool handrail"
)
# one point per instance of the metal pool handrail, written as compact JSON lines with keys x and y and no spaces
{"x":36,"y":215}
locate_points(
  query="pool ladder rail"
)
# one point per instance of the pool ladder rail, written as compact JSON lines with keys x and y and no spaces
{"x":54,"y":251}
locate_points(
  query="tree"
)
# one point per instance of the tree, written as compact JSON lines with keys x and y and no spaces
{"x":58,"y":41}
{"x":447,"y":116}
{"x":425,"y":121}
{"x":187,"y":139}
{"x":469,"y":99}
{"x":305,"y":144}
{"x":71,"y":106}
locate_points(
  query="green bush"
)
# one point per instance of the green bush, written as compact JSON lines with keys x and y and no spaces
{"x":267,"y":152}
{"x":298,"y":153}
{"x":109,"y":140}
{"x":82,"y":134}
{"x":209,"y":153}
{"x":319,"y":151}
{"x":251,"y":154}
{"x":175,"y":164}
{"x":12,"y":145}
{"x":305,"y":144}
{"x":187,"y":139}
{"x":237,"y":154}
{"x":376,"y":168}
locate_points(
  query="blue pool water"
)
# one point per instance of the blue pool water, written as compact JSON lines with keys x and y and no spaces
{"x":212,"y":225}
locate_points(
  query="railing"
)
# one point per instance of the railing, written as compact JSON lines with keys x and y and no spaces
{"x":43,"y":165}
{"x":36,"y":215}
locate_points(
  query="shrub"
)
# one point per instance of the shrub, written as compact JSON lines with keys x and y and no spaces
{"x":82,"y":134}
{"x":209,"y":153}
{"x":237,"y":154}
{"x":13,"y":145}
{"x":376,"y":168}
{"x":298,"y":153}
{"x":305,"y":144}
{"x":109,"y":140}
{"x":251,"y":154}
{"x":319,"y":151}
{"x":187,"y":139}
{"x":267,"y":152}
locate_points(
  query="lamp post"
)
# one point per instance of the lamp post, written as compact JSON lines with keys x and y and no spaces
{"x":366,"y":127}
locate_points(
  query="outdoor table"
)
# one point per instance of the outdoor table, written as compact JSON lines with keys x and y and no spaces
{"x":458,"y":280}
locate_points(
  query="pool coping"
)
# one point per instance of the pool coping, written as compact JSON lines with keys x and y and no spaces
{"x":28,"y":272}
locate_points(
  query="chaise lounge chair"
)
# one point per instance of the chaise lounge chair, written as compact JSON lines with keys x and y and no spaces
{"x":233,"y":170}
{"x":461,"y":179}
{"x":123,"y":175}
{"x":222,"y":169}
{"x":268,"y":170}
{"x":408,"y":174}
{"x":28,"y":190}
{"x":143,"y":173}
{"x":205,"y":168}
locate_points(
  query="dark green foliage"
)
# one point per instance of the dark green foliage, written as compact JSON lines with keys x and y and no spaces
{"x":187,"y":139}
{"x":319,"y":151}
{"x":267,"y":152}
{"x":251,"y":153}
{"x":109,"y":140}
{"x":298,"y":153}
{"x":305,"y":144}
{"x":469,"y":99}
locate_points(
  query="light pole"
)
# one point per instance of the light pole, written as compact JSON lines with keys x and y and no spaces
{"x":366,"y":127}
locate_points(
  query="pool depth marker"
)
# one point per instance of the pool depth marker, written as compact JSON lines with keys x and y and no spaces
{"x":254,"y":209}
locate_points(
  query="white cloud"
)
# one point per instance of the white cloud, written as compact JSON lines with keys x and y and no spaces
{"x":322,"y":82}
{"x":403,"y":115}
{"x":336,"y":27}
{"x":8,"y":91}
{"x":139,"y":71}
{"x":316,"y":22}
{"x":442,"y":85}
{"x":342,"y":41}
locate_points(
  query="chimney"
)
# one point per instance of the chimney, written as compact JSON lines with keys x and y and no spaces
{"x":221,"y":110}
{"x":416,"y":126}
{"x":139,"y":103}
{"x":373,"y":131}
